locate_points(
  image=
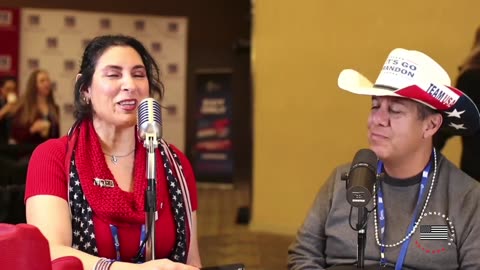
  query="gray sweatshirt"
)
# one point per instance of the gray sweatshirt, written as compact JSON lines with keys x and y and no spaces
{"x":326,"y":239}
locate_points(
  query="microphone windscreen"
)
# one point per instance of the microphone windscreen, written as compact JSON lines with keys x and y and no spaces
{"x":365,"y":156}
{"x":149,"y":118}
{"x":361,"y":178}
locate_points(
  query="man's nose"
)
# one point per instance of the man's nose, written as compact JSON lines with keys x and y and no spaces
{"x":380,"y":116}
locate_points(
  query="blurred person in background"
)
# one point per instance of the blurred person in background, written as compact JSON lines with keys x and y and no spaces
{"x":8,"y":99}
{"x":468,"y":81}
{"x":37,"y":115}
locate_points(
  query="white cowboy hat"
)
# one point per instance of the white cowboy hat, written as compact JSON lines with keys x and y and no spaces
{"x":414,"y":75}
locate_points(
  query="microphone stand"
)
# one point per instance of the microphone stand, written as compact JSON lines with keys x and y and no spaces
{"x":151,"y":194}
{"x":362,"y":240}
{"x":361,"y":229}
{"x":362,"y":236}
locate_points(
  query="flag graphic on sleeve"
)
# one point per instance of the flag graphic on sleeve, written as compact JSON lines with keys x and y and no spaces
{"x":433,"y":232}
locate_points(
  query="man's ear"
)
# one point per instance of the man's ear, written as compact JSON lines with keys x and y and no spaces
{"x":433,"y":124}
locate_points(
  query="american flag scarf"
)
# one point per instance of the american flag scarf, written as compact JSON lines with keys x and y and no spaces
{"x":85,"y":162}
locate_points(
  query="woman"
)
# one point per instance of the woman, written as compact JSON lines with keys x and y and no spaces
{"x":469,"y":82}
{"x":37,"y":116}
{"x":85,"y":191}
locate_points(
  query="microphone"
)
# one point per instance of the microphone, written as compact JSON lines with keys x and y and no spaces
{"x":149,"y":130}
{"x":149,"y":121}
{"x":361,"y":178}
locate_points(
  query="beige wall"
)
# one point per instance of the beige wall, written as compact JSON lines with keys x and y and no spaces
{"x":303,"y":124}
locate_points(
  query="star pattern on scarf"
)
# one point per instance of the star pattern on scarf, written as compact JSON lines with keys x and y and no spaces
{"x":83,"y":236}
{"x":178,"y":209}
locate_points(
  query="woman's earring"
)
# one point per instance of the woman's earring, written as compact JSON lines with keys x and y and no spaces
{"x":87,"y":101}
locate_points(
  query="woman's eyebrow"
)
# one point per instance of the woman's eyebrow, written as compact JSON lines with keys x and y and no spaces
{"x":120,"y":68}
{"x":112,"y":67}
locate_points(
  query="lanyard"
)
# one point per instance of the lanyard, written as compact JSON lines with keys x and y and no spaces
{"x":116,"y":242}
{"x":382,"y":216}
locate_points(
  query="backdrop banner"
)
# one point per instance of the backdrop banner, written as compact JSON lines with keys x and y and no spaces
{"x":10,"y":41}
{"x":213,"y":150}
{"x":54,"y":40}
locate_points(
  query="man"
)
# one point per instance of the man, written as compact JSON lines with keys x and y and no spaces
{"x":425,"y":213}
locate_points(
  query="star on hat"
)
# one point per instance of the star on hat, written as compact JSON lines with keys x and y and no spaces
{"x":455,"y":113}
{"x":457,"y":127}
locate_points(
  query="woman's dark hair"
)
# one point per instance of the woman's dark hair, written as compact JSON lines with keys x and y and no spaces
{"x":93,"y":52}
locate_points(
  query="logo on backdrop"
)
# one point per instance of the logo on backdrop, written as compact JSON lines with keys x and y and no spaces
{"x":52,"y":42}
{"x":5,"y":63}
{"x":69,"y":21}
{"x":34,"y":20}
{"x":212,"y":86}
{"x":33,"y":63}
{"x":139,"y":25}
{"x":105,"y":24}
{"x":5,"y":18}
{"x":156,"y":47}
{"x":172,"y":68}
{"x":69,"y":65}
{"x":171,"y":109}
{"x":172,"y":27}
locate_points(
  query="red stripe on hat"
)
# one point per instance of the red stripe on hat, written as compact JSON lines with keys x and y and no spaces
{"x":417,"y":93}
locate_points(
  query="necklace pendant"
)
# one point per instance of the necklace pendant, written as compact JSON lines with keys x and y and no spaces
{"x":114,"y":159}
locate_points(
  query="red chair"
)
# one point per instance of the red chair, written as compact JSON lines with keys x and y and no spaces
{"x":23,"y":247}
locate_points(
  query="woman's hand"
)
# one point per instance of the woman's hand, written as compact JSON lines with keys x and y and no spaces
{"x":41,"y":126}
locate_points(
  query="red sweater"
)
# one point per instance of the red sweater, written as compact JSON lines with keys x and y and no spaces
{"x":47,"y":175}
